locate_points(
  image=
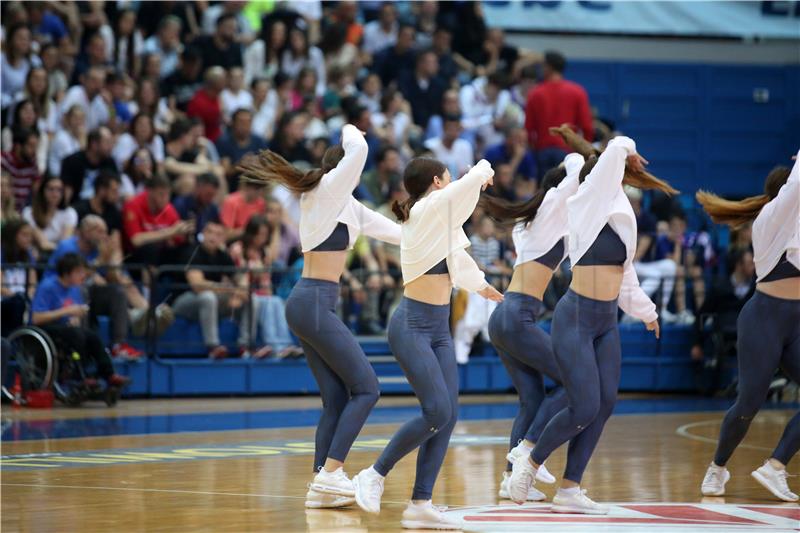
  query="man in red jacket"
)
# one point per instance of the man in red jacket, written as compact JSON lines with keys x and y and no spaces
{"x":553,"y":102}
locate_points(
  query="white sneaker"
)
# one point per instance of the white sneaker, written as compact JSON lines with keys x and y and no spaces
{"x":368,"y":486}
{"x":335,"y":482}
{"x":686,"y":317}
{"x":667,"y":317}
{"x":714,"y":482}
{"x":520,"y":450}
{"x":521,"y":480}
{"x":576,"y":501}
{"x":427,"y":516}
{"x":774,"y":480}
{"x":322,"y":500}
{"x":534,"y":494}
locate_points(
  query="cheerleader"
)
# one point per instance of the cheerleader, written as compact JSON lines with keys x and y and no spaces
{"x":433,"y":259}
{"x":525,"y":349}
{"x":768,"y":328}
{"x":602,"y":242}
{"x":330,"y":221}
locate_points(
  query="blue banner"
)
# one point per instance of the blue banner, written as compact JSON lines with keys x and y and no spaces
{"x":780,"y":20}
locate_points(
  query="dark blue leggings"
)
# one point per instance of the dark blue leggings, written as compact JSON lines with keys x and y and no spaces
{"x":768,"y":337}
{"x":419,"y":335}
{"x":587,"y":350}
{"x":347,"y":383}
{"x":527,"y":353}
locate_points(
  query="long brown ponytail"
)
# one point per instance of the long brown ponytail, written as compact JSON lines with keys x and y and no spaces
{"x":640,"y":179}
{"x":505,"y":212}
{"x":268,"y":167}
{"x":738,"y":213}
{"x":417,"y":179}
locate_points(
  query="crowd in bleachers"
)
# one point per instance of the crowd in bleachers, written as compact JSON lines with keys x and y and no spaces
{"x":124,"y":122}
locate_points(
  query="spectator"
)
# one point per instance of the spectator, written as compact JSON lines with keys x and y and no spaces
{"x":653,"y":274}
{"x":441,"y":46}
{"x":46,"y":26}
{"x":499,"y":56}
{"x":299,"y":54}
{"x":394,"y":61}
{"x":486,"y":249}
{"x":221,"y":49}
{"x":514,"y":151}
{"x":722,"y":305}
{"x":186,"y":80}
{"x":263,"y":57}
{"x":104,"y":203}
{"x":166,"y":44}
{"x":241,"y":206}
{"x":393,"y":124}
{"x":37,"y":91}
{"x":56,"y":79}
{"x":142,"y":134}
{"x":381,"y":33}
{"x":59,"y":308}
{"x":140,"y":169}
{"x":153,"y":231}
{"x":52,"y":220}
{"x":213,"y":291}
{"x":147,"y":100}
{"x":267,"y":108}
{"x":378,"y":182}
{"x":205,"y":104}
{"x":128,"y":43}
{"x":90,"y":96}
{"x":454,"y":152}
{"x":450,"y":106}
{"x":426,"y":14}
{"x":361,"y":118}
{"x":106,"y":297}
{"x":17,"y":59}
{"x":288,"y":238}
{"x":486,"y":108}
{"x":371,"y":90}
{"x":555,"y":101}
{"x":184,"y":162}
{"x":235,"y":96}
{"x":199,"y":206}
{"x":503,"y":186}
{"x":466,"y":21}
{"x":345,"y":14}
{"x":67,"y":140}
{"x":17,"y":278}
{"x":24,"y":117}
{"x":120,"y":100}
{"x":20,"y":164}
{"x":257,"y":251}
{"x":94,"y":55}
{"x":8,"y":210}
{"x":236,"y":142}
{"x":338,"y":52}
{"x":289,"y":138}
{"x":79,"y":170}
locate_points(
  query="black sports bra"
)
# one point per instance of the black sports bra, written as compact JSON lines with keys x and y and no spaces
{"x":607,"y":249}
{"x":439,"y":268}
{"x":552,"y":258}
{"x":337,"y":241}
{"x":783,"y":270}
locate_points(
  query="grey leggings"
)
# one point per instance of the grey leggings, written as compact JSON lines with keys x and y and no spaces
{"x":768,"y":332}
{"x":587,"y":350}
{"x":527,"y":353}
{"x":347,"y":383}
{"x":419,"y":335}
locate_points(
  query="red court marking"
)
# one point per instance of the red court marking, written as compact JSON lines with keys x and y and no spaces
{"x":592,"y":520}
{"x":690,"y":512}
{"x":785,"y":512}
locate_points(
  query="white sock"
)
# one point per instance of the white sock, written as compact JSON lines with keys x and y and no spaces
{"x":572,"y":491}
{"x":375,"y":471}
{"x":528,"y":449}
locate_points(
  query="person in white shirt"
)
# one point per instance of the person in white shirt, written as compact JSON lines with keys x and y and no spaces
{"x":433,"y":259}
{"x":67,"y":140}
{"x":768,"y":329}
{"x":299,"y":54}
{"x":235,"y":96}
{"x":89,"y":96}
{"x":331,"y":220}
{"x":381,"y":33}
{"x":602,"y":242}
{"x":455,"y":153}
{"x":540,"y":241}
{"x":487,"y":108}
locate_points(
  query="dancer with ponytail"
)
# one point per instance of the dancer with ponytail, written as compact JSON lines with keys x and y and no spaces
{"x":768,"y":328}
{"x":525,"y":349}
{"x":602,"y":242}
{"x":330,"y":221}
{"x":433,"y":259}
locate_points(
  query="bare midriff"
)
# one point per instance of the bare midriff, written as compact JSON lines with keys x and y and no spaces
{"x":788,"y":289}
{"x":598,"y":282}
{"x":431,"y":289}
{"x":327,"y":266}
{"x":530,"y":278}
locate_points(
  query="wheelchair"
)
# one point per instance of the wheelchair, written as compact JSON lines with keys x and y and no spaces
{"x":44,"y":364}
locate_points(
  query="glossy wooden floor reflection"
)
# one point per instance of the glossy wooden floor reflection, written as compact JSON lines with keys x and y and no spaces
{"x":641,"y":458}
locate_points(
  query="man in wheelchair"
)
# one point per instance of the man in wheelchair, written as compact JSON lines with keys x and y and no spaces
{"x":59,"y":308}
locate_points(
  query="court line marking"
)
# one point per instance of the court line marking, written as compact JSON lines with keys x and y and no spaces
{"x":172,"y":491}
{"x":683,"y":431}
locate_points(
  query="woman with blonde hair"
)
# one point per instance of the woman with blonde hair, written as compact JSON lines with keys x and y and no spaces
{"x":768,"y":326}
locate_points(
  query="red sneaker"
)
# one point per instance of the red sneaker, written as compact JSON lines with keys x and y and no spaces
{"x":116,"y":380}
{"x":126,"y":351}
{"x":218,"y":352}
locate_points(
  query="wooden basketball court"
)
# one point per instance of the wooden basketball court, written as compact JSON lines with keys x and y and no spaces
{"x":148,"y":465}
